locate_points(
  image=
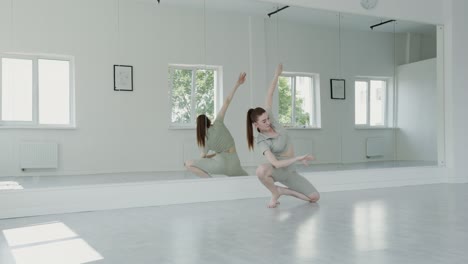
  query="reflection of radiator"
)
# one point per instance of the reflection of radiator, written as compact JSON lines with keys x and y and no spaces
{"x":374,"y":147}
{"x":38,"y":155}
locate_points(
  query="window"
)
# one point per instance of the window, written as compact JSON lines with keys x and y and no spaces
{"x":370,"y":97}
{"x":194,"y":91}
{"x":36,"y":91}
{"x":299,"y":103}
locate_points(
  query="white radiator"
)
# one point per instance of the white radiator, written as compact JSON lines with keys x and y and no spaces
{"x":375,"y":147}
{"x":38,"y":155}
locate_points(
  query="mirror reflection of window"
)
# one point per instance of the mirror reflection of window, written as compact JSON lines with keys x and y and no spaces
{"x":285,"y":100}
{"x":370,"y":102}
{"x":205,"y":93}
{"x":193,"y":92}
{"x":298,"y":106}
{"x":377,"y":103}
{"x":304,"y":101}
{"x":360,"y":90}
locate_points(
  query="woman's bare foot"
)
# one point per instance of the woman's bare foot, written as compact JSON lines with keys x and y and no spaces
{"x":287,"y":191}
{"x":274,"y":198}
{"x":273,"y":203}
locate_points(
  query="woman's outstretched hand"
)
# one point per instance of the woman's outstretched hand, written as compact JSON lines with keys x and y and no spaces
{"x":241,"y":79}
{"x":305,"y":159}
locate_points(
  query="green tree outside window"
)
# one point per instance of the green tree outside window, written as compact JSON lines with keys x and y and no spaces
{"x":182,"y":88}
{"x":286,"y":104}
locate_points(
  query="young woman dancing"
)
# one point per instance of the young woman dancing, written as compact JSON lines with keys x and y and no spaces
{"x":274,"y":143}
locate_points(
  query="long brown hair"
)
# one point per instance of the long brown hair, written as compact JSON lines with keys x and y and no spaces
{"x":252,"y":116}
{"x":203,"y":123}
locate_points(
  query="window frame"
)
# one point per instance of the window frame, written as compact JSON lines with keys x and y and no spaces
{"x":316,"y":121}
{"x":368,"y":80}
{"x":34,"y":123}
{"x":218,"y":77}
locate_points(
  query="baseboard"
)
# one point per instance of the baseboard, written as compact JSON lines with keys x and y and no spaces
{"x":376,"y":178}
{"x":42,"y":201}
{"x":457,"y":180}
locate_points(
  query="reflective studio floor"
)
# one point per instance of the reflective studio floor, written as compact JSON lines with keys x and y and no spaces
{"x":31,"y":182}
{"x":417,"y":224}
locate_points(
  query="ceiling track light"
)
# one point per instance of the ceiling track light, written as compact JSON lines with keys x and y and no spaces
{"x":379,"y":24}
{"x":277,"y":10}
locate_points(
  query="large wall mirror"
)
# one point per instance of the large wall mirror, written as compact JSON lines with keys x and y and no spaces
{"x":357,"y":91}
{"x":389,"y":112}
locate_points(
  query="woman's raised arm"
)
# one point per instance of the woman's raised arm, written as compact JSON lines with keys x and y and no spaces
{"x":273,"y":85}
{"x":228,"y":99}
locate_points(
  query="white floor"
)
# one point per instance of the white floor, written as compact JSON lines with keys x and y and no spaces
{"x":419,"y":224}
{"x":45,"y":181}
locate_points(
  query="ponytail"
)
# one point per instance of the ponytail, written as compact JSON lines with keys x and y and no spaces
{"x":203,"y":123}
{"x":249,"y":129}
{"x":252,"y":116}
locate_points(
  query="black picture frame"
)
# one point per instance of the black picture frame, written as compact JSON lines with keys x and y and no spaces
{"x":338,"y":89}
{"x":123,"y":78}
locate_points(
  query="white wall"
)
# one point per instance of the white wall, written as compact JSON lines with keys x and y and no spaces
{"x":413,"y":47}
{"x":417,"y":111}
{"x":456,"y":72}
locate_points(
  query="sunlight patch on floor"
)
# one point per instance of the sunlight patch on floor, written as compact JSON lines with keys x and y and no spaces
{"x":10,"y":185}
{"x":52,"y":243}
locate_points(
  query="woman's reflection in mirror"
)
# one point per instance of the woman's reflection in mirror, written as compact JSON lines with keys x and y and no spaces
{"x":215,"y":137}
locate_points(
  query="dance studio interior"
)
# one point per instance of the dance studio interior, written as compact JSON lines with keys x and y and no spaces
{"x":98,"y":109}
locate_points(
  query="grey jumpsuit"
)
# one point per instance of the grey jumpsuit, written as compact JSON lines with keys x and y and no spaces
{"x":220,"y":140}
{"x":278,"y":145}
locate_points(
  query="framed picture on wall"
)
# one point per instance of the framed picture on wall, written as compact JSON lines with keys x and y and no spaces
{"x":338,"y":89}
{"x":123,"y":78}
